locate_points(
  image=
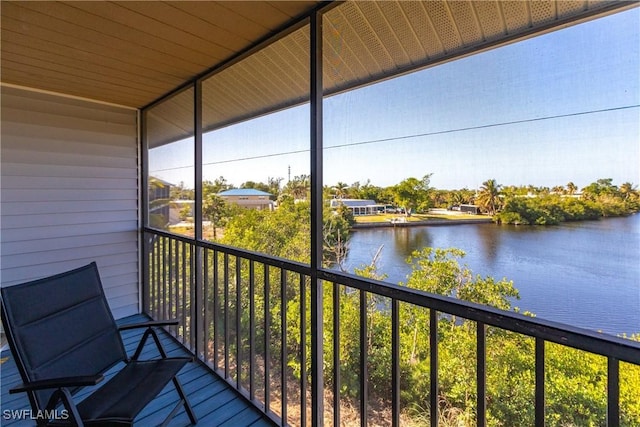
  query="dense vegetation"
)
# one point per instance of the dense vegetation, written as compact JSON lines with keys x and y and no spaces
{"x":576,"y":382}
{"x":599,"y":199}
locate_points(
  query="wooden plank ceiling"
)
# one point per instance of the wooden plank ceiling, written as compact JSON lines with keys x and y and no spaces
{"x":132,"y":52}
{"x":129,"y":52}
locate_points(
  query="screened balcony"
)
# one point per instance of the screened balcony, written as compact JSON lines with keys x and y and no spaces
{"x":113,"y":112}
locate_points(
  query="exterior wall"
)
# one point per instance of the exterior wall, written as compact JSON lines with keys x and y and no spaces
{"x":250,"y":202}
{"x":69,"y":179}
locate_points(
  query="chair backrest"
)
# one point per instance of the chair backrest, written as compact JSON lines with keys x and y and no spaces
{"x":60,"y":326}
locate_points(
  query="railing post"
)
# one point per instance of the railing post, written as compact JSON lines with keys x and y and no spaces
{"x":267,"y":340}
{"x":613,"y":392}
{"x":395,"y":363}
{"x":227,"y":320}
{"x":252,"y":331}
{"x":336,"y":354}
{"x":481,"y":377}
{"x":539,"y":406}
{"x":303,"y":351}
{"x":283,"y":344}
{"x":216,"y":313}
{"x":433,"y":348}
{"x":239,"y":360}
{"x":364,"y":372}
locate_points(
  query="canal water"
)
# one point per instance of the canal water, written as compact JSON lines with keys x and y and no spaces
{"x":586,"y":274}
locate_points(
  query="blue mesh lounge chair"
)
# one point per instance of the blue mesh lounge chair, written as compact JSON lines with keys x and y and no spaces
{"x":63,"y":337}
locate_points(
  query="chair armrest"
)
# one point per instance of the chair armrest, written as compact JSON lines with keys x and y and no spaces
{"x":148,"y":324}
{"x":79,"y":381}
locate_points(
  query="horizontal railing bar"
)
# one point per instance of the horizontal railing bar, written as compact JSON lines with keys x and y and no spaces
{"x":571,"y":336}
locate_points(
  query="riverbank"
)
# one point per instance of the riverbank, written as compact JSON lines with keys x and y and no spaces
{"x":433,"y":218}
{"x":432,"y":222}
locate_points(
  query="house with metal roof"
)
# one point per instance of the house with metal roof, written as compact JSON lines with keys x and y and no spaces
{"x":358,"y":206}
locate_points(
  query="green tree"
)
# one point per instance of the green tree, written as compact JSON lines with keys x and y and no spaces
{"x":372,"y":192}
{"x":273,"y":186}
{"x":627,"y":189}
{"x":256,"y":186}
{"x":216,"y":210}
{"x":336,"y":233}
{"x":601,"y":187}
{"x":219,"y":185}
{"x":413,"y":194}
{"x":185,"y":212}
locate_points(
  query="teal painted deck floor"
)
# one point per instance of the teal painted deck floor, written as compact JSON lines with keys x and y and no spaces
{"x":213,"y":401}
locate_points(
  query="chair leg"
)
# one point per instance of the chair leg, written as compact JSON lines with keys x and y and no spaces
{"x":187,"y":406}
{"x":63,"y":395}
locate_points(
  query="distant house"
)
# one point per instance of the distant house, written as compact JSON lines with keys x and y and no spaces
{"x":470,"y":209}
{"x":359,"y":206}
{"x":249,"y":198}
{"x":159,"y":195}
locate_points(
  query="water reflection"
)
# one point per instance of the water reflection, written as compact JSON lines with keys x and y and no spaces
{"x":586,"y":274}
{"x":490,"y":241}
{"x":407,"y":239}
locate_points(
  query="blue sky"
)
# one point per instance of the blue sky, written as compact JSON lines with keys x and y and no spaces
{"x":557,"y":108}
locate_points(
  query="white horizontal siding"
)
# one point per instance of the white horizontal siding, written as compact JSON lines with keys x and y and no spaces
{"x":13,"y":235}
{"x":48,"y":170}
{"x":69,"y":179}
{"x":64,"y":207}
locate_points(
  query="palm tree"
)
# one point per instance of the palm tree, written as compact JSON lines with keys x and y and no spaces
{"x":299,"y":187}
{"x":340,"y":190}
{"x":489,"y":196}
{"x":571,"y":188}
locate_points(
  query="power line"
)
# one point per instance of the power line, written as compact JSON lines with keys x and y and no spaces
{"x":417,"y":135}
{"x":515,"y":122}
